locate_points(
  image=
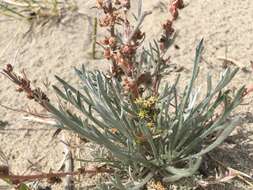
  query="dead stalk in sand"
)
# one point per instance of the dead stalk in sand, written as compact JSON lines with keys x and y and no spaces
{"x":94,"y":38}
{"x":228,"y":175}
{"x":51,"y":177}
{"x":68,"y":165}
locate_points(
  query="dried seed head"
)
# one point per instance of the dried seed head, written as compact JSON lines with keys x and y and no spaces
{"x":123,"y":63}
{"x":116,"y":2}
{"x":116,"y":71}
{"x":106,"y":21}
{"x":39,"y":95}
{"x":112,"y":41}
{"x":105,"y":41}
{"x":178,"y":3}
{"x":109,"y":19}
{"x":81,"y":170}
{"x":138,"y":35}
{"x":19,"y":89}
{"x":107,"y":53}
{"x":100,"y":4}
{"x":4,"y":170}
{"x":130,"y":86}
{"x":167,"y":27}
{"x":9,"y":68}
{"x":54,"y":180}
{"x":174,"y":12}
{"x":162,"y":43}
{"x":125,"y":3}
{"x":25,"y":83}
{"x":144,"y":78}
{"x":128,"y":50}
{"x":30,"y":96}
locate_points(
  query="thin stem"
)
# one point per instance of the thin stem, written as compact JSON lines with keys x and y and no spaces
{"x":94,"y":37}
{"x":20,"y":178}
{"x":141,"y":19}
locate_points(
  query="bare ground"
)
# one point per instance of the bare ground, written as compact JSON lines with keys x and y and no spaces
{"x":226,"y":26}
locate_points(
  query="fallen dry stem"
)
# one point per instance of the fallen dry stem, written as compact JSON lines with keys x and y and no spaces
{"x":17,"y":179}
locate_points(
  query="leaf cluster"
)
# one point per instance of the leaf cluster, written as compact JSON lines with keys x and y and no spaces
{"x":184,"y":130}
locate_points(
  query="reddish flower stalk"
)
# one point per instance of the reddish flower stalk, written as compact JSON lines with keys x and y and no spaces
{"x":167,"y":26}
{"x":51,"y":177}
{"x":165,"y":38}
{"x":123,"y":54}
{"x":174,"y":6}
{"x":24,"y":85}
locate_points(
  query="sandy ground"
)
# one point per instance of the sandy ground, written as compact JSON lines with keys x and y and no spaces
{"x":226,"y":26}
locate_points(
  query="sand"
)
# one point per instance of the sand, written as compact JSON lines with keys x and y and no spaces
{"x":226,"y":26}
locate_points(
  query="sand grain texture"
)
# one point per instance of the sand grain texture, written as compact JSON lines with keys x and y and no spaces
{"x":226,"y":26}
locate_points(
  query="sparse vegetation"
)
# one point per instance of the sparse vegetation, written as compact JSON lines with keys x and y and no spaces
{"x":153,"y":131}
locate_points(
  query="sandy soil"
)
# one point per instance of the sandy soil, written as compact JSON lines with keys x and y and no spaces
{"x":226,"y":26}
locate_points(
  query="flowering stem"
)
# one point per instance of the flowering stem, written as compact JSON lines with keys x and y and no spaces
{"x":17,"y":179}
